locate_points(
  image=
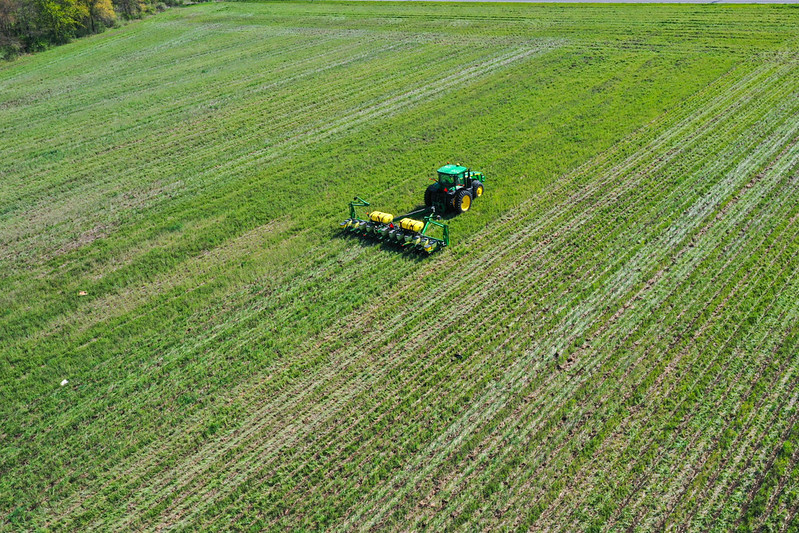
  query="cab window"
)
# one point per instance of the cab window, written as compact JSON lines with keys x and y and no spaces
{"x":446,"y":180}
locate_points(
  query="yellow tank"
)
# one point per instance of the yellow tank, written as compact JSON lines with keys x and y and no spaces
{"x":385,"y":218}
{"x":412,"y":225}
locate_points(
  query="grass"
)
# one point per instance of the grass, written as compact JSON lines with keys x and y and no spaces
{"x":623,"y":299}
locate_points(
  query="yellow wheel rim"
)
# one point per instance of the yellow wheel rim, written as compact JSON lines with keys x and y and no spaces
{"x":465,"y":203}
{"x":479,"y":191}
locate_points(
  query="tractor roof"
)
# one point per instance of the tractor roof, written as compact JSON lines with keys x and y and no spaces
{"x":452,"y":169}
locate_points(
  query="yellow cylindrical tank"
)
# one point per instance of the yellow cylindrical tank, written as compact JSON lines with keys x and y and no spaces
{"x":378,"y":216}
{"x":411,"y":225}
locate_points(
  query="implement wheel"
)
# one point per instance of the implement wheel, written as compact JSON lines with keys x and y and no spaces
{"x":462,"y":201}
{"x":477,"y":189}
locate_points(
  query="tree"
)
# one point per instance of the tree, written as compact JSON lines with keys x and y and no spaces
{"x":130,"y":8}
{"x":8,"y":16}
{"x":99,"y":11}
{"x":60,"y":18}
{"x":17,"y":20}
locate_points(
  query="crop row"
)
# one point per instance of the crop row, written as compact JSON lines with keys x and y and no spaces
{"x":240,"y":460}
{"x":613,"y":349}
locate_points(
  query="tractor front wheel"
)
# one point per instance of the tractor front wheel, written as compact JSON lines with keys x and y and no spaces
{"x":462,"y":201}
{"x":477,"y":189}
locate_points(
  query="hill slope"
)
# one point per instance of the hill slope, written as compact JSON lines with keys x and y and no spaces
{"x":610,"y":342}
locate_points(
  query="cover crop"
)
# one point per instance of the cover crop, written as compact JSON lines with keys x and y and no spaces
{"x":609,"y":343}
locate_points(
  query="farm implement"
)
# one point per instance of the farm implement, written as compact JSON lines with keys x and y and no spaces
{"x":402,"y":230}
{"x":454,"y":190}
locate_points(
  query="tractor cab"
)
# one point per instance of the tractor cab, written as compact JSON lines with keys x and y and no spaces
{"x":451,"y":176}
{"x":455,"y":189}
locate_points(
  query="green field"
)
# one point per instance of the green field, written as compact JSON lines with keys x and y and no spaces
{"x":611,"y":342}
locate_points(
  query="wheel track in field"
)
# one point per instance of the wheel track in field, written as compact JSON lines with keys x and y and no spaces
{"x":533,"y":282}
{"x":179,"y":137}
{"x":353,"y":117}
{"x":760,"y":444}
{"x":592,"y":434}
{"x":792,"y":260}
{"x":675,"y":361}
{"x":642,"y":508}
{"x":698,"y":464}
{"x":757,"y":417}
{"x":777,"y":507}
{"x":782,"y":485}
{"x":650,"y":399}
{"x":739,"y":483}
{"x":622,"y":379}
{"x":789,"y":522}
{"x":726,"y":466}
{"x":482,"y":451}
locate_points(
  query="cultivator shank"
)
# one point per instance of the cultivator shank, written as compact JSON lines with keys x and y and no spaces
{"x":404,"y":231}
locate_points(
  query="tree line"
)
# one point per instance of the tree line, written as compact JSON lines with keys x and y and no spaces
{"x":34,"y":25}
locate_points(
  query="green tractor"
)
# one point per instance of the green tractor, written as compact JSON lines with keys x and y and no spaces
{"x":455,"y":189}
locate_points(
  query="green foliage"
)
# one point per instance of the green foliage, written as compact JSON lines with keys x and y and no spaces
{"x":34,"y":25}
{"x":60,"y":18}
{"x":100,"y":14}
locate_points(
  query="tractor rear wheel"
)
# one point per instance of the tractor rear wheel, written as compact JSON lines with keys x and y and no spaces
{"x":429,"y":194}
{"x":462,"y":201}
{"x":477,"y":189}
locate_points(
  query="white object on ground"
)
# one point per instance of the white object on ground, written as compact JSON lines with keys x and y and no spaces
{"x":64,"y":382}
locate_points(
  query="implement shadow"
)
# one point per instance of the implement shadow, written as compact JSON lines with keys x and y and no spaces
{"x":356,"y":239}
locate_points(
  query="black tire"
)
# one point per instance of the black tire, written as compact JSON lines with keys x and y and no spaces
{"x":460,"y":202}
{"x":429,"y":194}
{"x":477,"y":187}
{"x":448,"y":201}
